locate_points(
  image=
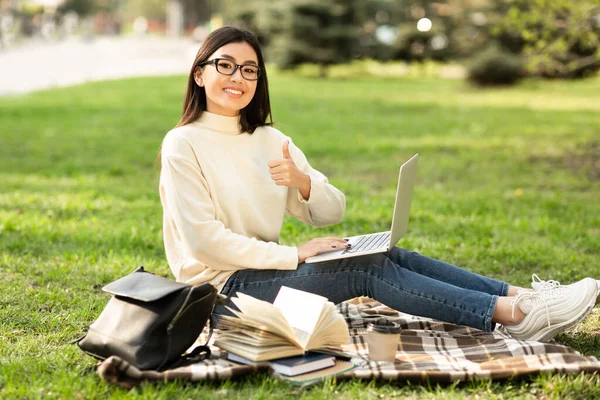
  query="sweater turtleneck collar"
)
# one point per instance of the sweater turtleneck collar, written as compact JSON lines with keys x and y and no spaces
{"x":220,"y":123}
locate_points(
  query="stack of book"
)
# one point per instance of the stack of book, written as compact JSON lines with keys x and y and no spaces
{"x":292,"y":366}
{"x":291,"y":334}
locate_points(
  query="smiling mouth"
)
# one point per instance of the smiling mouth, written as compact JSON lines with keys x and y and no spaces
{"x":233,"y":91}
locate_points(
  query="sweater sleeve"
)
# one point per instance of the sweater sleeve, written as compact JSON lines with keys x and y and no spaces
{"x":185,"y":194}
{"x":326,"y":204}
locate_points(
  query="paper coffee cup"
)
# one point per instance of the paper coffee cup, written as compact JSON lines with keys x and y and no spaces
{"x":382,"y":338}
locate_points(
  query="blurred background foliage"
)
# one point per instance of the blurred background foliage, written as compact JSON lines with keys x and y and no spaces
{"x":510,"y":38}
{"x":498,"y":41}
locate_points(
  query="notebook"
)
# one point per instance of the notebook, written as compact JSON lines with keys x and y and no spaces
{"x":382,"y":241}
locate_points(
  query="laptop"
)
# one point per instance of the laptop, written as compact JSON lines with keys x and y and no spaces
{"x":382,"y":241}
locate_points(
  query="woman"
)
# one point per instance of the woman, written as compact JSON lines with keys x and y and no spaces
{"x":228,"y":178}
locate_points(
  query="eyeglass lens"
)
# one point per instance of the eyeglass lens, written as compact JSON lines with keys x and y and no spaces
{"x":249,"y":72}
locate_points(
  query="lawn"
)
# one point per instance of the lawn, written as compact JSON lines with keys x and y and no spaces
{"x":509,"y":185}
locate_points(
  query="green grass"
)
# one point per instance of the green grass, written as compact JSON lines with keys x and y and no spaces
{"x":509,"y":185}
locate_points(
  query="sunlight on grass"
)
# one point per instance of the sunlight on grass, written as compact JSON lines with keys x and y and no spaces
{"x":509,"y":181}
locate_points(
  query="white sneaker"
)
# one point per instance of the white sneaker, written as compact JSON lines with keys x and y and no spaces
{"x":553,"y":309}
{"x":539,"y":285}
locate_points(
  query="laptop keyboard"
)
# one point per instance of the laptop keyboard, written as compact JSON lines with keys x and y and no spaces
{"x":370,"y":242}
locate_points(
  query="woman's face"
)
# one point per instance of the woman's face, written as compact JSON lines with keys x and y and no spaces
{"x":228,"y":94}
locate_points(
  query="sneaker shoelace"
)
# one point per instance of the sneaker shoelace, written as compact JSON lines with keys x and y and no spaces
{"x":552,"y":292}
{"x":542,"y":284}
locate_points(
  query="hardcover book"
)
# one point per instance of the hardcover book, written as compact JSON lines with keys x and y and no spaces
{"x":292,"y":366}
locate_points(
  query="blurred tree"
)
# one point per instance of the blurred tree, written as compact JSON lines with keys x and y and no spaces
{"x":559,"y":38}
{"x":198,"y":11}
{"x":495,"y":66}
{"x":150,"y":9}
{"x":417,"y":23}
{"x":195,"y":11}
{"x":88,"y":7}
{"x":441,"y":29}
{"x":293,"y":32}
{"x":81,"y":7}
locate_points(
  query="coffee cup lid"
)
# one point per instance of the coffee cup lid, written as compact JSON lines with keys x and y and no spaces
{"x":384,"y":326}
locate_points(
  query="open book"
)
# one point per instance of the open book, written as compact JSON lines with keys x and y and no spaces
{"x":296,"y":322}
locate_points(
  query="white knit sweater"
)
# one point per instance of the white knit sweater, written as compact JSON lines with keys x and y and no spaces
{"x":222,"y":212}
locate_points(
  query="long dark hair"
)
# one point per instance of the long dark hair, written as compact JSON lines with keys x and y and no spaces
{"x":254,"y":114}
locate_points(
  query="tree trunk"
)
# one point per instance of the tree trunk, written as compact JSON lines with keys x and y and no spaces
{"x":590,"y":62}
{"x":175,"y":18}
{"x":323,"y":69}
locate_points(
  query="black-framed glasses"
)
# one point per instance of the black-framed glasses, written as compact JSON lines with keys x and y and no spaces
{"x":227,"y":67}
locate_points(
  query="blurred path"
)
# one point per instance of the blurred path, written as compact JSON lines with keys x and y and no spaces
{"x":44,"y":65}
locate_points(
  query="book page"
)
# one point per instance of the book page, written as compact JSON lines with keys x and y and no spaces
{"x":301,"y":310}
{"x":259,"y":354}
{"x":264,"y":313}
{"x":252,"y":340}
{"x":232,"y":328}
{"x":295,"y":322}
{"x":331,"y":330}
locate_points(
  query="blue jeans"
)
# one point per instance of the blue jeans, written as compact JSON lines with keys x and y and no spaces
{"x":403,"y":280}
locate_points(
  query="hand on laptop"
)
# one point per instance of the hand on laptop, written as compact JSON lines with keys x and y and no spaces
{"x":320,"y":245}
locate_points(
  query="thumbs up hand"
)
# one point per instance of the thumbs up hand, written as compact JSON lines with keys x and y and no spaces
{"x":286,"y":150}
{"x":284,"y":172}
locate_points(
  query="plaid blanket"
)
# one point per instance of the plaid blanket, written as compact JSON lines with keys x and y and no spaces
{"x":428,"y":350}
